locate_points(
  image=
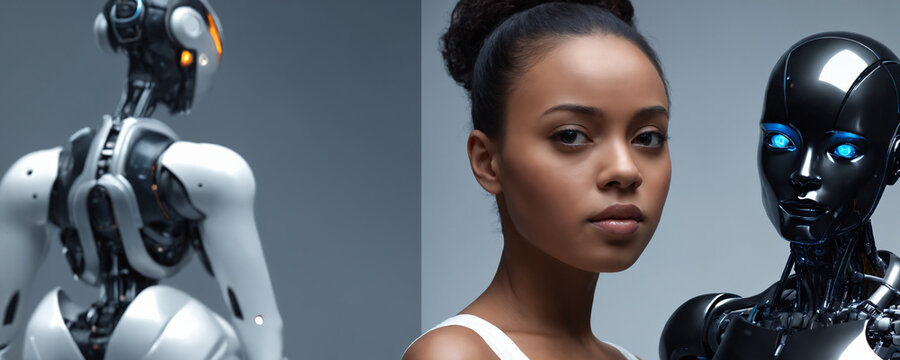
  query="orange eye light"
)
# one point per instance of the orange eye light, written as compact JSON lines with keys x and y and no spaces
{"x":186,"y":58}
{"x":214,"y":31}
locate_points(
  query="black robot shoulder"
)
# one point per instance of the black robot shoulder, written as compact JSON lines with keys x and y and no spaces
{"x":685,"y":334}
{"x":695,"y":328}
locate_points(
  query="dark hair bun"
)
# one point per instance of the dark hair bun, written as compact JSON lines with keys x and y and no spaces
{"x":473,"y":20}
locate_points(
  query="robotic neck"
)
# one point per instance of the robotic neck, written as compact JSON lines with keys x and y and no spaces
{"x":828,"y":274}
{"x":151,"y":84}
{"x":137,"y":99}
{"x":121,"y":284}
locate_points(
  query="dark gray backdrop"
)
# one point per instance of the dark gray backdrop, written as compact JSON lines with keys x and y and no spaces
{"x":714,"y":235}
{"x":320,"y":97}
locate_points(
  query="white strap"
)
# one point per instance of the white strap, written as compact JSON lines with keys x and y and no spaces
{"x":501,"y":344}
{"x":627,"y":354}
{"x":497,"y":340}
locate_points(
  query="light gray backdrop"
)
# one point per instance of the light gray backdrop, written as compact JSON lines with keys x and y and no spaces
{"x":714,"y":235}
{"x":322,"y":100}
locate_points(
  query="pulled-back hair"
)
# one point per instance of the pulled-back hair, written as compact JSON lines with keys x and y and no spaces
{"x":490,"y":43}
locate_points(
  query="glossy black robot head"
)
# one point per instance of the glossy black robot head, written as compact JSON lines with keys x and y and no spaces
{"x":829,"y":129}
{"x":174,"y":48}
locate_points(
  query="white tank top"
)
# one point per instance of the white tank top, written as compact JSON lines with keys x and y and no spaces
{"x":499,"y":343}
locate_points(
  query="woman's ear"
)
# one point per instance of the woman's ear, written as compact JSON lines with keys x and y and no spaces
{"x":894,"y":169}
{"x":484,"y":158}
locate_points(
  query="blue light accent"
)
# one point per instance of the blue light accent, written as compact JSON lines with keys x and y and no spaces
{"x":780,"y":136}
{"x":137,"y":12}
{"x":846,"y":151}
{"x":843,"y":136}
{"x":780,"y":141}
{"x":847,"y":145}
{"x":781,"y":128}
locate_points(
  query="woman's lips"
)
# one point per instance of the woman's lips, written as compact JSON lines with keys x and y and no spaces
{"x":617,"y":226}
{"x":618,"y":219}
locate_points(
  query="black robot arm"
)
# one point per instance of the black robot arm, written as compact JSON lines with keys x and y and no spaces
{"x":694,"y":332}
{"x":686,"y":335}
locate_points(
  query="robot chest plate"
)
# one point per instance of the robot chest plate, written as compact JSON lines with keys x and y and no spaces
{"x":112,"y":205}
{"x":745,"y":341}
{"x":162,"y":323}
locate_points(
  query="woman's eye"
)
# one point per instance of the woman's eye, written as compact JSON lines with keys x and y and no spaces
{"x":846,"y":151}
{"x":780,"y":142}
{"x":650,"y":139}
{"x":571,"y":137}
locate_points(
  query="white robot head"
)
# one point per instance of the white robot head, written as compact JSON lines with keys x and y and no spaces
{"x":174,"y":49}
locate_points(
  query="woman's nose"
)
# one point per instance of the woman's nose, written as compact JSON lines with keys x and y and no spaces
{"x":620,"y":171}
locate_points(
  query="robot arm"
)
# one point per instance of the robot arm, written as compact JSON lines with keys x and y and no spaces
{"x":686,"y":335}
{"x":220,"y":188}
{"x":24,"y":210}
{"x":696,"y":329}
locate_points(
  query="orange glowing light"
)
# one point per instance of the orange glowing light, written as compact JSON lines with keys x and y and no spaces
{"x":186,"y":58}
{"x":215,"y":34}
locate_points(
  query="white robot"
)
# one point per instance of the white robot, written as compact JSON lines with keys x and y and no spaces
{"x":131,"y":203}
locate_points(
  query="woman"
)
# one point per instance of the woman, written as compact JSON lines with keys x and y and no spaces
{"x":570,"y":115}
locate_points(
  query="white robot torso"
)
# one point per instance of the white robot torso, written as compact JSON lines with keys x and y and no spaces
{"x":130,"y":203}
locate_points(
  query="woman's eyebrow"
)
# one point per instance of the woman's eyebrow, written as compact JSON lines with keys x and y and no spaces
{"x":575,"y":108}
{"x":593,"y":111}
{"x":651,"y":110}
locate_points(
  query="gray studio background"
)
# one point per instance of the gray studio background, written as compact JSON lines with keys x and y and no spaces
{"x":322,"y":100}
{"x":714,"y":235}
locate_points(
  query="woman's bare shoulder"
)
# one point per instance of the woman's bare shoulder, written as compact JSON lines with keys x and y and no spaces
{"x":449,"y":343}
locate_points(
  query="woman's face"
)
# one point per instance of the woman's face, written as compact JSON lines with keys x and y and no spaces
{"x":583,"y":166}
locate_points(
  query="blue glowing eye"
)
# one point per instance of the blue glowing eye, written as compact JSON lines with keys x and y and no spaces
{"x":780,"y":141}
{"x":847,"y":151}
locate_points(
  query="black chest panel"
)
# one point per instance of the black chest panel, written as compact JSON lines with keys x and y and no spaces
{"x":169,"y":221}
{"x":167,"y":235}
{"x":745,"y":341}
{"x":71,"y":164}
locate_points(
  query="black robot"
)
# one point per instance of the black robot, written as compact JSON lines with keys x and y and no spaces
{"x":828,"y":148}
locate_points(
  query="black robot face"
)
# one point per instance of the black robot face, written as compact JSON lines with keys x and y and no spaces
{"x":827,"y":135}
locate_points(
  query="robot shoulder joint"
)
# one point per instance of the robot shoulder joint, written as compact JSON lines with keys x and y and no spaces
{"x":213,"y":176}
{"x":25,"y":188}
{"x":684,"y":335}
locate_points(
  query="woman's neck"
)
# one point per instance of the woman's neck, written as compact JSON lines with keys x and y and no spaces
{"x":533,"y":292}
